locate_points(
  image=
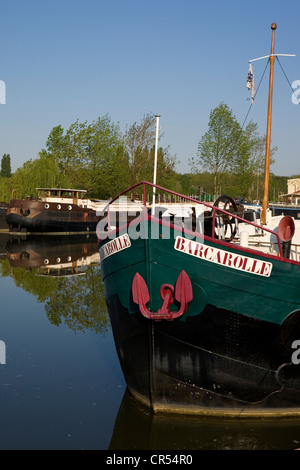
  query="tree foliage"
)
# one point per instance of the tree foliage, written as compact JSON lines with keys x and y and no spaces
{"x":92,"y":156}
{"x":40,"y":172}
{"x":5,"y":189}
{"x":97,"y":157}
{"x":232,"y":155}
{"x":140,"y":143}
{"x":221,"y":146}
{"x":5,"y":166}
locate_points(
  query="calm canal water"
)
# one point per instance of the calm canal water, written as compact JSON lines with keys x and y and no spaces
{"x":61,"y":386}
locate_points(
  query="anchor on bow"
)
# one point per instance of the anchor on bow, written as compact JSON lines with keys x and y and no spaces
{"x":182,"y":293}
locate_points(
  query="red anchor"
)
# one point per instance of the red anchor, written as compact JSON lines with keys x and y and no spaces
{"x":183,"y":293}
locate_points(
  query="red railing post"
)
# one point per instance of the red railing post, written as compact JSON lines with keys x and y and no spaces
{"x":214,"y":223}
{"x":144,"y":194}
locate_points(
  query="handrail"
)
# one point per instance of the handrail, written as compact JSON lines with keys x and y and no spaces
{"x":214,"y":209}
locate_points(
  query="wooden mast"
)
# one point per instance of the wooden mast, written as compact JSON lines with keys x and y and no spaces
{"x":265,"y":202}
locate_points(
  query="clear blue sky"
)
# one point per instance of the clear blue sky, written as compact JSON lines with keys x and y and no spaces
{"x":69,"y":59}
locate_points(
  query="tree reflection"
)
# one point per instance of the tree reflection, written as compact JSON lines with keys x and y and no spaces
{"x":77,"y":300}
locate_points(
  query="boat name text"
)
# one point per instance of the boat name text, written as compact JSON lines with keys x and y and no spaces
{"x":114,"y":246}
{"x":224,"y":258}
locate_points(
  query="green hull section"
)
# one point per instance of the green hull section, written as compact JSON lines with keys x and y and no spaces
{"x":223,"y":275}
{"x":232,"y":351}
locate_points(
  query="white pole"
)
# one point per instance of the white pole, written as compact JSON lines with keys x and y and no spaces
{"x":272,"y":55}
{"x":155,"y":162}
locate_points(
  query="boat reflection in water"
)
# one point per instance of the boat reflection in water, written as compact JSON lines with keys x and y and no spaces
{"x":70,"y":256}
{"x":53,"y":255}
{"x":190,"y":432}
{"x":61,"y":272}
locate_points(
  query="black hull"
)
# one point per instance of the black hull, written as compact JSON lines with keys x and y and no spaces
{"x":3,"y":224}
{"x":50,"y":223}
{"x":214,"y":363}
{"x":31,"y":217}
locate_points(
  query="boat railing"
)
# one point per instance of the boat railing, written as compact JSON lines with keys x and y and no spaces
{"x":216,"y":213}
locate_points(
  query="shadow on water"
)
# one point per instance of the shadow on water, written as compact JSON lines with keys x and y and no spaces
{"x":137,"y":428}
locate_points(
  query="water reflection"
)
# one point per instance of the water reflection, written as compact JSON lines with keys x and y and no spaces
{"x":63,"y":273}
{"x":186,"y":432}
{"x":53,"y":255}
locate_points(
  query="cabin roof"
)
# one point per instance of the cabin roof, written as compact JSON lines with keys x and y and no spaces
{"x":63,"y":189}
{"x":294,"y":193}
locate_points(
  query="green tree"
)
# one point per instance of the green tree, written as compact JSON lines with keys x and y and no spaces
{"x":5,"y":189}
{"x":56,"y":147}
{"x":257,"y":145}
{"x":139,"y":138}
{"x":140,"y":142}
{"x":105,"y":159}
{"x":5,"y":166}
{"x":240,"y":176}
{"x":221,"y":147}
{"x":40,"y":172}
{"x":91,"y":156}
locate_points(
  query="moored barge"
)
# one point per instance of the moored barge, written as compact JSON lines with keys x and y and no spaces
{"x":54,"y":211}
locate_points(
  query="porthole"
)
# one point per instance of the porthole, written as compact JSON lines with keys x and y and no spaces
{"x":58,"y":206}
{"x":46,"y":261}
{"x":70,"y":208}
{"x":58,"y":260}
{"x":47,"y":206}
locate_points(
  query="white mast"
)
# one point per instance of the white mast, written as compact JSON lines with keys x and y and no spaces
{"x":155,"y":162}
